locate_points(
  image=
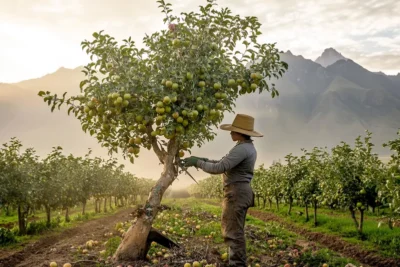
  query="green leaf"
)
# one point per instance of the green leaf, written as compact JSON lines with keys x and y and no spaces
{"x":70,"y":109}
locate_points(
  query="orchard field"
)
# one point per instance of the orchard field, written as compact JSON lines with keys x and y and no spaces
{"x":317,"y":208}
{"x":195,"y":225}
{"x":305,"y":214}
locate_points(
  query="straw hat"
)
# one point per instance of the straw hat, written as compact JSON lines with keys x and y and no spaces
{"x":242,"y":124}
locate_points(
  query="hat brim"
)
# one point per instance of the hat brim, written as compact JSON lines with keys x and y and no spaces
{"x":229,"y":127}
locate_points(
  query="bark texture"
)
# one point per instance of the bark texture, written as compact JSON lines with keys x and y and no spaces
{"x":133,"y":246}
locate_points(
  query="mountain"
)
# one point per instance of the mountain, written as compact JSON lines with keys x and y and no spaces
{"x":317,"y":106}
{"x":328,"y":57}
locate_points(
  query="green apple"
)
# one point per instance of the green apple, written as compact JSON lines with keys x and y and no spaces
{"x":168,"y":84}
{"x":166,"y":100}
{"x":217,"y":86}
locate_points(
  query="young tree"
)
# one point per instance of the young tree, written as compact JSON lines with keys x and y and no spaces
{"x":259,"y":185}
{"x":274,"y":178}
{"x":49,"y":186}
{"x":317,"y":164}
{"x":294,"y":172}
{"x":168,"y":95}
{"x":390,"y":189}
{"x":358,"y":173}
{"x":17,"y":177}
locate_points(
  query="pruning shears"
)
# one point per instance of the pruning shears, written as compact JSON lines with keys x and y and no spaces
{"x":182,"y":165}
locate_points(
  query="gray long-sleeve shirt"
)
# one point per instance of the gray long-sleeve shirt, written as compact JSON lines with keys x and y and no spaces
{"x":236,"y":166}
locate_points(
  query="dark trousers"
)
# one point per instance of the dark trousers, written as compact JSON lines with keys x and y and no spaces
{"x":238,"y":198}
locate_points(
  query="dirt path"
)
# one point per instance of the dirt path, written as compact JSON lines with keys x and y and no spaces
{"x":332,"y":242}
{"x":57,"y":247}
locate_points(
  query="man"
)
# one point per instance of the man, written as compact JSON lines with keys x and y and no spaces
{"x":237,"y":168}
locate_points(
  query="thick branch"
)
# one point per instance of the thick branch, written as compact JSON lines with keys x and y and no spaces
{"x":160,"y":153}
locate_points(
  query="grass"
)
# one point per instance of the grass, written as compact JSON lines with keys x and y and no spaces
{"x":386,"y":240}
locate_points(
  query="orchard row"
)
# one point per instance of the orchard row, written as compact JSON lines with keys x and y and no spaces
{"x":347,"y":178}
{"x":61,"y":181}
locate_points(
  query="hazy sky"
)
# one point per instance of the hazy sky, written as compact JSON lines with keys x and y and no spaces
{"x":39,"y":36}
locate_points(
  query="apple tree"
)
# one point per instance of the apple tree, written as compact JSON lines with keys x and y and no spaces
{"x":49,"y":186}
{"x":211,"y":187}
{"x":258,"y":185}
{"x":274,"y":178}
{"x":168,"y":95}
{"x":294,"y":172}
{"x":309,"y":187}
{"x":390,"y":189}
{"x":262,"y":186}
{"x":17,"y":179}
{"x":71,"y":180}
{"x":358,"y":173}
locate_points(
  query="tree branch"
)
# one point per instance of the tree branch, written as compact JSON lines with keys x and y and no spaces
{"x":160,"y":153}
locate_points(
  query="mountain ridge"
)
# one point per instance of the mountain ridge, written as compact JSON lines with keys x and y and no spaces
{"x":329,"y":56}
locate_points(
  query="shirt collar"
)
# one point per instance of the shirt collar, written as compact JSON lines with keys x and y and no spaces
{"x":244,"y":141}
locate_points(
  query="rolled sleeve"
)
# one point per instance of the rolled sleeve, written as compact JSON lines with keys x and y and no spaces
{"x":235,"y":156}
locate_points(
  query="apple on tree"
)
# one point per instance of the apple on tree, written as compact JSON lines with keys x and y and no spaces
{"x":170,"y":87}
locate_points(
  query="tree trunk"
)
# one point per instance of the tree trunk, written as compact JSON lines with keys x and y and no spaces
{"x":100,"y":201}
{"x":264,"y":202}
{"x":258,"y":200}
{"x":109,"y":203}
{"x":353,"y":216}
{"x":307,"y":217}
{"x":270,"y":203}
{"x":115,"y":201}
{"x":134,"y":245}
{"x":83,"y":207}
{"x":7,"y":208}
{"x":277,"y":203}
{"x":67,"y":219}
{"x":290,"y":205}
{"x":21,"y":221}
{"x":360,"y":225}
{"x":315,"y":213}
{"x":95,"y":206}
{"x":105,"y":205}
{"x":48,"y":215}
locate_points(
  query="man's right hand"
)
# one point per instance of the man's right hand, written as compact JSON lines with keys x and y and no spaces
{"x":192,"y":161}
{"x":203,"y":159}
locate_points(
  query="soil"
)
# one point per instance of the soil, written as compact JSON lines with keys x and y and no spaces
{"x":334,"y":243}
{"x":57,"y":246}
